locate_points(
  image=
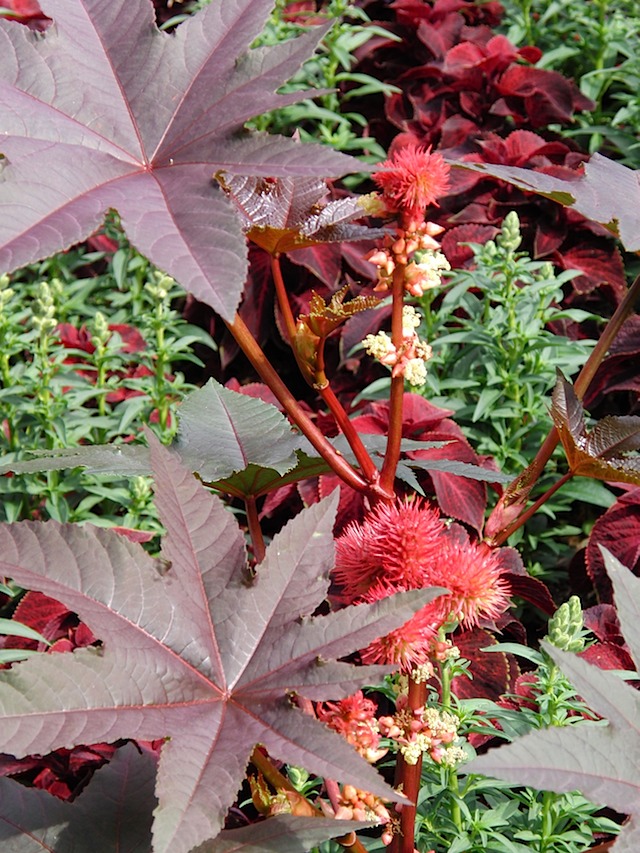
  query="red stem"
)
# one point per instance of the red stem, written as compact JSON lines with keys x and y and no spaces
{"x":526,"y":515}
{"x":409,"y":776}
{"x":336,"y":408}
{"x":396,"y":396}
{"x":321,"y":383}
{"x":283,"y":299}
{"x":267,"y":373}
{"x":255,"y":531}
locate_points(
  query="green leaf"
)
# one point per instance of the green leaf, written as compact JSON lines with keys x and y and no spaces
{"x":13,"y":628}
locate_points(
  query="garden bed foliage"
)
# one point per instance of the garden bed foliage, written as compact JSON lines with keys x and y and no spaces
{"x":302,"y":453}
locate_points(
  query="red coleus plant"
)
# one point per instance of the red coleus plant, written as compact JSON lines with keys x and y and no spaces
{"x":463,"y":90}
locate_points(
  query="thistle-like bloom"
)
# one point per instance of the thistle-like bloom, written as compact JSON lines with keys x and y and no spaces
{"x":473,"y":575}
{"x":395,"y":545}
{"x":413,"y":178}
{"x":406,"y":546}
{"x":410,"y":645}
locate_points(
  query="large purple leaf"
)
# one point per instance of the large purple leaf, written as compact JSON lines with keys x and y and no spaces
{"x":105,"y":111}
{"x":194,"y":650}
{"x":599,"y":759}
{"x":114,"y":813}
{"x":607,"y":192}
{"x":601,"y":452}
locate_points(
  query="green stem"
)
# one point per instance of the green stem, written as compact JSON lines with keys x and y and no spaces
{"x":445,"y":699}
{"x":161,"y":400}
{"x":548,"y":799}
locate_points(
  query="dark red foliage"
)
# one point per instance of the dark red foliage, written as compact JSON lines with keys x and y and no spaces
{"x":303,"y":12}
{"x":611,"y":650}
{"x":63,"y":773}
{"x":494,"y":673}
{"x":451,"y":65}
{"x":74,"y":338}
{"x":51,"y":619}
{"x":619,"y":370}
{"x":474,"y":96}
{"x":132,"y":342}
{"x":618,"y":530}
{"x":458,"y":497}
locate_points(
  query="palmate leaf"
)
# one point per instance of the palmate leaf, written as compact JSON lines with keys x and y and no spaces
{"x":105,"y":111}
{"x":237,"y":444}
{"x":602,"y":451}
{"x":608,"y":192}
{"x":599,"y":759}
{"x":198,"y":653}
{"x":115,"y":813}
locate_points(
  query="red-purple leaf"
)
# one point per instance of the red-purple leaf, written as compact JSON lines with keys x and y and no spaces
{"x":280,"y":834}
{"x":493,"y":674}
{"x":602,"y":451}
{"x":105,"y":111}
{"x":201,"y":653}
{"x":284,"y":214}
{"x":607,"y":192}
{"x":618,"y":530}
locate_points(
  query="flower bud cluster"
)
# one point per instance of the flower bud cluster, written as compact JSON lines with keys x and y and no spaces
{"x":566,"y":627}
{"x":44,"y":310}
{"x":356,"y":805}
{"x":355,"y":719}
{"x":418,"y":251}
{"x":159,"y":288}
{"x":409,"y":359}
{"x":424,"y":730}
{"x":6,"y":292}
